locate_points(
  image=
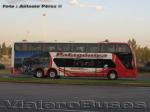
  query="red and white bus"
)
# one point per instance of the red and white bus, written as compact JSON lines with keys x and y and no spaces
{"x":111,"y":60}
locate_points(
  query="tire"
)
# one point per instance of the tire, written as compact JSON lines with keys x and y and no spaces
{"x":39,"y":74}
{"x":53,"y":74}
{"x":112,"y":75}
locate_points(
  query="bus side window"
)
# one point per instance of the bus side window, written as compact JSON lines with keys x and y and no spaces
{"x":63,"y":47}
{"x":123,"y":48}
{"x":35,"y":47}
{"x":108,"y":48}
{"x":49,"y":47}
{"x":109,"y":63}
{"x":69,"y":62}
{"x":52,"y":47}
{"x":99,"y":63}
{"x":92,"y":48}
{"x":78,"y":63}
{"x":18,"y":47}
{"x":90,"y":63}
{"x":59,"y":62}
{"x":87,"y":63}
{"x":79,"y":47}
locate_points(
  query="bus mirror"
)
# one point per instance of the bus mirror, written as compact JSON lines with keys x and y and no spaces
{"x":105,"y":66}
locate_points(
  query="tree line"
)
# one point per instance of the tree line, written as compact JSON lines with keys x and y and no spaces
{"x":142,"y":53}
{"x":5,"y":50}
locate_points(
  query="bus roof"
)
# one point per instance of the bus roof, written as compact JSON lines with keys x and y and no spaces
{"x":74,"y":42}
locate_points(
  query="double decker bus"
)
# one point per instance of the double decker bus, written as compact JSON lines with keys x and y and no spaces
{"x":108,"y":59}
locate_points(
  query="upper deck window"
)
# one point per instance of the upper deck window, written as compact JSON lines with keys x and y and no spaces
{"x":35,"y":47}
{"x":49,"y":47}
{"x":108,"y":48}
{"x":79,"y":47}
{"x":64,"y":47}
{"x":21,"y":47}
{"x":18,"y":47}
{"x":123,"y":48}
{"x":92,"y":48}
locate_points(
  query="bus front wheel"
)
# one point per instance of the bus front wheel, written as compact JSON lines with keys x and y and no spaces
{"x":112,"y":75}
{"x":53,"y":74}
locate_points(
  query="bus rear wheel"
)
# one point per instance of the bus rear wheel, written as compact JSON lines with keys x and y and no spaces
{"x":112,"y":75}
{"x":39,"y":73}
{"x":53,"y":74}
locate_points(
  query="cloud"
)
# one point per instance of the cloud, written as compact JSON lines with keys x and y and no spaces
{"x":97,"y":7}
{"x":45,"y":0}
{"x":74,"y":2}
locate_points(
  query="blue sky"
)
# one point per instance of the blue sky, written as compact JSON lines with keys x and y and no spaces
{"x":78,"y":20}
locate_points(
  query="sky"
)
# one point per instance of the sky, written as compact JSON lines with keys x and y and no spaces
{"x":77,"y":21}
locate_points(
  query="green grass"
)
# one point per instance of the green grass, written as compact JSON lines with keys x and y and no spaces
{"x":5,"y":71}
{"x":97,"y":82}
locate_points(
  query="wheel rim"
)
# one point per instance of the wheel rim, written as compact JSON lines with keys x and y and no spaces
{"x":52,"y":74}
{"x":112,"y":75}
{"x":39,"y":74}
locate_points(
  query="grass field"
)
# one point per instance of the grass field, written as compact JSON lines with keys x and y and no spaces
{"x":5,"y":71}
{"x":97,"y":82}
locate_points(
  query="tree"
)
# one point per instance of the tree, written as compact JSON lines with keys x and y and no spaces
{"x":106,"y":40}
{"x":9,"y":51}
{"x":135,"y":48}
{"x":138,"y":54}
{"x":142,"y":53}
{"x":4,"y":49}
{"x":133,"y":43}
{"x":0,"y":52}
{"x":145,"y":56}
